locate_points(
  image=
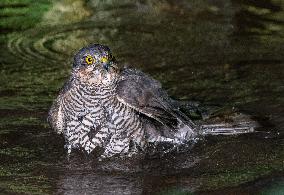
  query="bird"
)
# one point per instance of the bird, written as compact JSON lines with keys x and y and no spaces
{"x":119,"y":110}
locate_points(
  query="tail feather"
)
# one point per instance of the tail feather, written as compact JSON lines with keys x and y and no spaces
{"x":221,"y":129}
{"x":238,"y":124}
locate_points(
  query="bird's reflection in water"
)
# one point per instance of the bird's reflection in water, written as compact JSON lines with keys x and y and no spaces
{"x":94,"y":183}
{"x":140,"y":175}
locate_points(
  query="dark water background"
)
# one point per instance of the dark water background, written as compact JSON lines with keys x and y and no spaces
{"x":223,"y":52}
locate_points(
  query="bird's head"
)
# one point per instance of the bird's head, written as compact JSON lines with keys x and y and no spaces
{"x":95,"y":65}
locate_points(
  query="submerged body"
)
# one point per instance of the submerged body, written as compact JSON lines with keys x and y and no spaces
{"x":120,"y":111}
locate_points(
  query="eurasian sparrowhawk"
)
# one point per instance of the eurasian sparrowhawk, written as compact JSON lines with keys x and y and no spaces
{"x":118,"y":110}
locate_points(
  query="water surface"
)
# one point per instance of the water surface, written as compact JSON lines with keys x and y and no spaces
{"x":226,"y":53}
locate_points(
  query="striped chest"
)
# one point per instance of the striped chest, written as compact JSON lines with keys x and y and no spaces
{"x":98,"y":118}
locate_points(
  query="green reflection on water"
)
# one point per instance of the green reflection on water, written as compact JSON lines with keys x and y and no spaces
{"x":276,"y":189}
{"x":227,"y":53}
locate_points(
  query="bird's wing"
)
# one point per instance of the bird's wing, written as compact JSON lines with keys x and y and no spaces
{"x":145,"y":95}
{"x":56,"y":116}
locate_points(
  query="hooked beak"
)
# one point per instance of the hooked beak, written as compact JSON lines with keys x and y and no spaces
{"x":110,"y":64}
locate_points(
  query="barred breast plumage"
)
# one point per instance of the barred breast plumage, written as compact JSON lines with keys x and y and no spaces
{"x":117,"y":110}
{"x":93,"y":117}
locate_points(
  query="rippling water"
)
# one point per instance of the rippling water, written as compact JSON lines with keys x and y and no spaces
{"x":217,"y":52}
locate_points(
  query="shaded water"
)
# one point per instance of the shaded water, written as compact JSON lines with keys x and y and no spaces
{"x":218,"y":52}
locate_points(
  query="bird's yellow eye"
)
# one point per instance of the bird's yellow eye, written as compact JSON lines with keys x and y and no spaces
{"x":89,"y":60}
{"x":104,"y":59}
